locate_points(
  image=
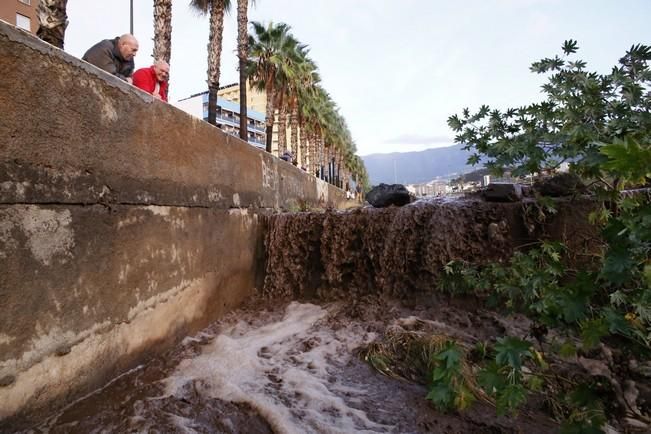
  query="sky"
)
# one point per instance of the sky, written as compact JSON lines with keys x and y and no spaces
{"x":396,"y":69}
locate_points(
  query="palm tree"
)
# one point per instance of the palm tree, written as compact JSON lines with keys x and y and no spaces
{"x":163,"y":30}
{"x":270,"y":47}
{"x":280,"y":65}
{"x":216,"y":8}
{"x":302,"y":78}
{"x":243,"y":55}
{"x":52,"y":21}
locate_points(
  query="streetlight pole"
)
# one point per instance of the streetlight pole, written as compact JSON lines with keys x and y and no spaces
{"x":131,"y":16}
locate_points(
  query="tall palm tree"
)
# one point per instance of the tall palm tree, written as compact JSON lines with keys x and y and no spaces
{"x":163,"y":30}
{"x":216,"y":9}
{"x":243,"y":55}
{"x":52,"y":21}
{"x":280,"y":65}
{"x":270,"y":47}
{"x":302,"y":78}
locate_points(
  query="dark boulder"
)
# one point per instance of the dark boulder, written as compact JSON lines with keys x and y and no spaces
{"x":563,"y":184}
{"x":502,"y":192}
{"x":385,"y":195}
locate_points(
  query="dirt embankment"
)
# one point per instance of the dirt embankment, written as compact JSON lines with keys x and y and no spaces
{"x":398,"y":251}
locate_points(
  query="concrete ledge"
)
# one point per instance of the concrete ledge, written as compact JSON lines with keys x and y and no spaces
{"x":74,"y":134}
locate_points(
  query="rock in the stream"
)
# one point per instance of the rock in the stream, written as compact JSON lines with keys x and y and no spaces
{"x":385,"y":195}
{"x":502,"y":192}
{"x":563,"y":184}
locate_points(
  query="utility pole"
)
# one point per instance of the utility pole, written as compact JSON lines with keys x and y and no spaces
{"x":131,"y":16}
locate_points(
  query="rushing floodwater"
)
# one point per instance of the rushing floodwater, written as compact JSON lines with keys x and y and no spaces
{"x":290,"y":369}
{"x":283,"y":370}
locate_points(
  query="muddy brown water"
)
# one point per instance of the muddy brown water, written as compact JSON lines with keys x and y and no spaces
{"x":293,"y":368}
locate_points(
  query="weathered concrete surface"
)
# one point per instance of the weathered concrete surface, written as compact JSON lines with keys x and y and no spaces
{"x":72,"y":133}
{"x":400,"y":251}
{"x":124,"y":224}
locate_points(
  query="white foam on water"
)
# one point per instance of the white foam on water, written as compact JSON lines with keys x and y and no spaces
{"x":285,"y":370}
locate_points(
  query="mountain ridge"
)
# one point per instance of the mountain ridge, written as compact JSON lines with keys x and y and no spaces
{"x":417,"y":166}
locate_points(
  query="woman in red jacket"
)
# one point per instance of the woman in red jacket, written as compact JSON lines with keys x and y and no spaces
{"x":153,"y":80}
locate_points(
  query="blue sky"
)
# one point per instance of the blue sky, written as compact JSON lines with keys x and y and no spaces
{"x":397,"y":69}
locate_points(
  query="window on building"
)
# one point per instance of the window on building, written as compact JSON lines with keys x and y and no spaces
{"x":27,"y":2}
{"x":23,"y":22}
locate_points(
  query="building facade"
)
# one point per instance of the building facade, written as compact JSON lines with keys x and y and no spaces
{"x":255,"y":100}
{"x":228,"y":116}
{"x":20,"y":13}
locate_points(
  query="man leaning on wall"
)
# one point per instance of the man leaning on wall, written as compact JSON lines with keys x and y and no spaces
{"x":114,"y":56}
{"x":153,"y":80}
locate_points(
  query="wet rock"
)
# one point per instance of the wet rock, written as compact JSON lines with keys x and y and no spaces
{"x":7,"y":380}
{"x":502,"y":192}
{"x":385,"y":195}
{"x":563,"y":184}
{"x":62,"y":350}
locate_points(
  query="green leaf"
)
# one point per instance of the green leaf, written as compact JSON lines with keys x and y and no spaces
{"x":535,"y":383}
{"x":570,"y":46}
{"x":587,"y":414}
{"x":618,"y":263}
{"x":463,"y":399}
{"x":510,"y":351}
{"x":592,"y":331}
{"x":450,"y":355}
{"x":627,"y":159}
{"x":510,"y":398}
{"x":442,"y":396}
{"x":491,"y":379}
{"x":567,"y":350}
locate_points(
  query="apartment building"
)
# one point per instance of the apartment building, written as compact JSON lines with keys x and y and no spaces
{"x":228,"y":116}
{"x":255,"y":100}
{"x":20,"y":13}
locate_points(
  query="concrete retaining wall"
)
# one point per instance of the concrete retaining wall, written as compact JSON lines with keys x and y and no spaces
{"x":125,"y":224}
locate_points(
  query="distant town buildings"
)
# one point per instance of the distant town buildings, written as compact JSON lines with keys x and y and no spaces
{"x":228,"y":115}
{"x":20,"y":13}
{"x":432,"y":188}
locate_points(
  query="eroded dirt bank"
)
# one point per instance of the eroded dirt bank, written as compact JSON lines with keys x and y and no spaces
{"x":400,"y":251}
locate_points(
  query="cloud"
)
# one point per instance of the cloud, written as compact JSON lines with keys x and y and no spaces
{"x":415,"y":139}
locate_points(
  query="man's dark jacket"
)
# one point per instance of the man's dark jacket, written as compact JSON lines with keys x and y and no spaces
{"x":105,"y":55}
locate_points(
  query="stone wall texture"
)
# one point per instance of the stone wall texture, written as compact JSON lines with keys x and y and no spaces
{"x":125,"y":224}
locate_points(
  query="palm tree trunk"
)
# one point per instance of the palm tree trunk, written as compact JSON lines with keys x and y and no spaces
{"x":52,"y":21}
{"x":269,"y":116}
{"x":320,"y":155}
{"x":214,"y":56}
{"x":312,"y":152}
{"x":302,"y":140}
{"x":338,"y":171}
{"x":243,"y":54}
{"x":282,"y":130}
{"x":163,"y":30}
{"x":293,"y":125}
